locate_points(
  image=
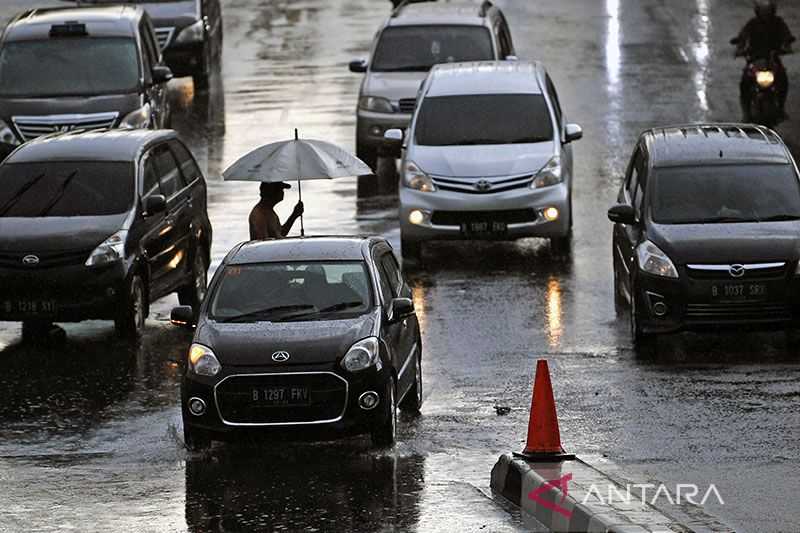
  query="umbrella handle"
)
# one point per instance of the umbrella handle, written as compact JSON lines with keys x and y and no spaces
{"x":300,"y":196}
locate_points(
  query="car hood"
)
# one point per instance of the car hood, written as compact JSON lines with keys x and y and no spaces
{"x":55,"y":234}
{"x":177,"y":14}
{"x":310,"y":342}
{"x":393,"y":85}
{"x":482,"y":161}
{"x":728,"y":243}
{"x":63,"y":105}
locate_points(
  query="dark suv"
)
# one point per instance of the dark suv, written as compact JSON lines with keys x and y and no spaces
{"x":63,"y":69}
{"x":303,"y":334}
{"x":97,"y":225}
{"x":707,"y":230}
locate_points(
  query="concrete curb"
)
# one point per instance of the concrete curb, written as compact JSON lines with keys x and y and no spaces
{"x":578,"y":509}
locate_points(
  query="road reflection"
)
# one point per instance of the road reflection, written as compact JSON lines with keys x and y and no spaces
{"x":554,"y":312}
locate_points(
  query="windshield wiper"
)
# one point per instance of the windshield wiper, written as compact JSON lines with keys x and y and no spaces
{"x":409,"y":68}
{"x":779,"y":218}
{"x":19,"y":194}
{"x":717,"y":220}
{"x":529,"y":140}
{"x":282,"y":311}
{"x":325,"y":310}
{"x":474,"y":142}
{"x":57,"y":198}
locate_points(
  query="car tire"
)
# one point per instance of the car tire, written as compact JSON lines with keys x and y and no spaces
{"x":412,"y":402}
{"x":36,"y":330}
{"x":561,"y":246}
{"x":368,"y":156}
{"x":641,"y":340}
{"x":194,"y":293}
{"x":410,"y":250}
{"x":384,"y":432}
{"x":195,"y":439}
{"x":619,"y":301}
{"x":132,"y":315}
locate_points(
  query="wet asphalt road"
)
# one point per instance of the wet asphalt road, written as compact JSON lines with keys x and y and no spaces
{"x":90,"y":426}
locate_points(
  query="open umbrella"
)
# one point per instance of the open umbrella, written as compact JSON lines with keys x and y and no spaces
{"x":296,"y":160}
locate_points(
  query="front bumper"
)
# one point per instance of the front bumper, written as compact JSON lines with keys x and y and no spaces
{"x":333,"y":405}
{"x":371,"y":126}
{"x":449,"y":210}
{"x":185,"y":59}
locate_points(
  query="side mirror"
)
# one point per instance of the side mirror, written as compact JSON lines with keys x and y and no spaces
{"x":358,"y":65}
{"x":154,"y":204}
{"x":393,"y":142}
{"x":183,"y":316}
{"x":401,"y":308}
{"x":622,"y":214}
{"x":573,"y":132}
{"x":161,"y":74}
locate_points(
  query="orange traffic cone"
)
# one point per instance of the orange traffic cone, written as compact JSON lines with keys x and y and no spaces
{"x":544,"y":439}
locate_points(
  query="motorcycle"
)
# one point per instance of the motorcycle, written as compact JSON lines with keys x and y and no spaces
{"x":760,"y":76}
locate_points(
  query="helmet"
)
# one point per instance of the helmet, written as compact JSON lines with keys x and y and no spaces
{"x":765,"y":8}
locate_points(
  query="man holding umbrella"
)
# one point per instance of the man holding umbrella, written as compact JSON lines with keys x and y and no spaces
{"x":264,"y":222}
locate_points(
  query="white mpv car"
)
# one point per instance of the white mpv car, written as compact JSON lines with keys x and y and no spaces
{"x":488,"y":155}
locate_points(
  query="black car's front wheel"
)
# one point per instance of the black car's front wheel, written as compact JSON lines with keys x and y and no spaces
{"x":641,"y":339}
{"x":130,"y":320}
{"x":412,"y":402}
{"x":196,"y":439}
{"x":195,"y":291}
{"x":384,"y":431}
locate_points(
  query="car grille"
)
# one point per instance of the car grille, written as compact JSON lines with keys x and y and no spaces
{"x":751,"y":312}
{"x":33,"y":127}
{"x":456,"y":218}
{"x":751,"y":271}
{"x":15,"y":260}
{"x":482,"y":186}
{"x":164,"y":36}
{"x":327,"y":399}
{"x":406,"y":105}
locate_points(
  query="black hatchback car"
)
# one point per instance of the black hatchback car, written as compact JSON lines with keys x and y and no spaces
{"x":707,"y":230}
{"x":97,"y":225}
{"x":300,"y":335}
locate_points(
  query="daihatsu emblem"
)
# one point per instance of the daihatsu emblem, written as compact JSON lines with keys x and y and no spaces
{"x":30,"y":260}
{"x":483,"y":185}
{"x":280,"y":357}
{"x":736,"y":271}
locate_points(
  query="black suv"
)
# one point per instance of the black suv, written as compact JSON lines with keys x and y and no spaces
{"x":303,"y":334}
{"x":96,"y":225}
{"x":189,"y":32}
{"x":707,"y":230}
{"x":63,"y":69}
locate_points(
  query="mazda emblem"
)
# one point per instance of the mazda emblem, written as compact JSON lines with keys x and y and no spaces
{"x":280,"y":357}
{"x":736,"y":271}
{"x":483,"y":185}
{"x":30,"y":260}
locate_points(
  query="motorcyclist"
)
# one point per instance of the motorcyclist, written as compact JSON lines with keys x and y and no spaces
{"x":765,"y":36}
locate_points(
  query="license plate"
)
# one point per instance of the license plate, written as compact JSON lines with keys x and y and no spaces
{"x":280,"y":396}
{"x":739,"y":291}
{"x":29,"y":307}
{"x":484,"y":228}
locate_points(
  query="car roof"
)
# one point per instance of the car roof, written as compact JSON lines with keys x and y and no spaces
{"x":100,"y":21}
{"x":714,"y":144}
{"x":98,"y":145}
{"x":328,"y":248}
{"x":485,"y":77}
{"x":462,"y":13}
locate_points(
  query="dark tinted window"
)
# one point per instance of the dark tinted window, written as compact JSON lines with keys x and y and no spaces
{"x":418,"y":48}
{"x":292,"y":291}
{"x":64,"y":189}
{"x":393,"y":275}
{"x":151,"y":185}
{"x":741,"y":193}
{"x":187,"y":165}
{"x":483,"y":119}
{"x":62,"y":67}
{"x":170,"y":177}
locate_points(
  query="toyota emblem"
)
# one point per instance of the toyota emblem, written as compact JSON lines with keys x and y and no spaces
{"x":736,"y":271}
{"x":30,"y":260}
{"x":483,"y":185}
{"x":280,"y":357}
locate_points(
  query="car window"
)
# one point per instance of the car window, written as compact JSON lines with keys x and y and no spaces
{"x":418,"y":48}
{"x":151,"y":46}
{"x":150,"y":183}
{"x":186,"y":162}
{"x":505,"y":43}
{"x":393,"y":275}
{"x":169,"y":176}
{"x":551,"y":91}
{"x":632,"y":179}
{"x":384,"y":280}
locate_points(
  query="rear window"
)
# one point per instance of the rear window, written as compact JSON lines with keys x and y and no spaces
{"x":725,"y":193}
{"x":418,"y":48}
{"x":65,"y":189}
{"x":483,"y":119}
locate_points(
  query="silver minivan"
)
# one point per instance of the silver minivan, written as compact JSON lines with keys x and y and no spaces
{"x":488,"y":156}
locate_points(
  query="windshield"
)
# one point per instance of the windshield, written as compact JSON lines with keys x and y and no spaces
{"x":483,"y":119}
{"x":291,"y":291}
{"x":418,"y":48}
{"x":65,"y":189}
{"x":78,"y":66}
{"x":725,"y":193}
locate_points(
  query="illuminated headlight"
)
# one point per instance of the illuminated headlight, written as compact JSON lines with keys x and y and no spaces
{"x":7,"y":134}
{"x":416,"y":179}
{"x":192,"y":34}
{"x":202,"y":361}
{"x":418,"y":217}
{"x":765,"y":78}
{"x":361,"y":355}
{"x":653,"y":261}
{"x":551,"y":214}
{"x":109,"y":251}
{"x":137,"y":119}
{"x":375,"y":103}
{"x":549,"y":175}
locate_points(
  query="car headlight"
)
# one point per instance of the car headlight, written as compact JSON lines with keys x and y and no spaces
{"x":110,"y":250}
{"x":361,"y":355}
{"x":375,"y":103}
{"x":653,"y":261}
{"x":765,"y":78}
{"x":416,"y":179}
{"x":192,"y":34}
{"x":202,"y":361}
{"x":549,"y":175}
{"x":137,"y":119}
{"x":7,"y":134}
